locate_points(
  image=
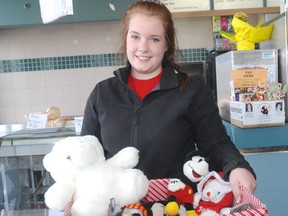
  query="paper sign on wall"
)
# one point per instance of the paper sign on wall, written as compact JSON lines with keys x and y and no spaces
{"x":237,"y":4}
{"x":36,"y":121}
{"x":184,"y":5}
{"x":274,"y":3}
{"x":52,"y":10}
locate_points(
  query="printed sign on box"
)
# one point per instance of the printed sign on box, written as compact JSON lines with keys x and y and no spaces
{"x":257,"y":113}
{"x":250,"y":78}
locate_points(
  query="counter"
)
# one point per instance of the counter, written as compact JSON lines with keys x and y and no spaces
{"x":272,"y":138}
{"x":266,"y":149}
{"x":23,"y":178}
{"x":32,"y":142}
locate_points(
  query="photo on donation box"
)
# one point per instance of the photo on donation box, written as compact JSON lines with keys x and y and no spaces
{"x":249,"y":107}
{"x":278,"y":106}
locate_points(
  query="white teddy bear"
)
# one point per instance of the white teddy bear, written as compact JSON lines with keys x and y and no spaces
{"x":214,"y":196}
{"x":82,"y":174}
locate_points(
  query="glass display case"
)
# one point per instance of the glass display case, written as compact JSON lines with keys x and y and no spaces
{"x":23,"y":180}
{"x":237,"y":60}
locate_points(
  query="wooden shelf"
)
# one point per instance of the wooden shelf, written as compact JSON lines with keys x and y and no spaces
{"x":264,"y":10}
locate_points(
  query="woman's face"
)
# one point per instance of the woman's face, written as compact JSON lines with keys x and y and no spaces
{"x":146,"y":45}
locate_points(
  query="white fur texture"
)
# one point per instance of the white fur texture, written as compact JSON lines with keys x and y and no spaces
{"x":78,"y":166}
{"x":59,"y":195}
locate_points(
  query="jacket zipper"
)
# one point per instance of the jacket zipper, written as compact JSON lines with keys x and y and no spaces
{"x":134,"y":134}
{"x":135,"y":128}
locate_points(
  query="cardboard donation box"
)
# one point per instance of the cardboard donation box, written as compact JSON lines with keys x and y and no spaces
{"x":257,"y":113}
{"x":255,"y":102}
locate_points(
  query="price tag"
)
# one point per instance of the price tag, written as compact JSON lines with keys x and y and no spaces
{"x":78,"y":125}
{"x":36,"y":121}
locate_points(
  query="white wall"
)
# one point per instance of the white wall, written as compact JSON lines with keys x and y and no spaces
{"x":25,"y":92}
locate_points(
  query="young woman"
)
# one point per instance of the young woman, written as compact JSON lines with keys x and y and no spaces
{"x":152,"y":106}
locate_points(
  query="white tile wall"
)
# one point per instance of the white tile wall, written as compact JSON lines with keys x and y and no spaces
{"x":7,"y":98}
{"x":55,"y":95}
{"x":53,"y":78}
{"x":20,"y":80}
{"x":37,"y":79}
{"x":24,"y":92}
{"x":194,"y":33}
{"x":4,"y":49}
{"x":6,"y":81}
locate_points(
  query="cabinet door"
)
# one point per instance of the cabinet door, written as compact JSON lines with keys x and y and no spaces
{"x":27,"y":12}
{"x":19,"y":12}
{"x":272,"y":175}
{"x":96,"y":10}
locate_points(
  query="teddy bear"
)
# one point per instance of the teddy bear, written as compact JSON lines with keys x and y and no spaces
{"x":214,"y":196}
{"x":82,"y":174}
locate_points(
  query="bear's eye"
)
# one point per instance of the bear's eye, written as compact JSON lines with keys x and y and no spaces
{"x":68,"y":157}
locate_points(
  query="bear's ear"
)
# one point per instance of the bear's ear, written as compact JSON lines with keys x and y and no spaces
{"x":192,"y":154}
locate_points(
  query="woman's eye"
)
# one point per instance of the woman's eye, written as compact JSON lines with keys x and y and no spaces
{"x":155,"y":39}
{"x":134,"y":36}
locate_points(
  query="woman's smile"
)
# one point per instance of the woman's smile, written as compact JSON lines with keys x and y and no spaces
{"x":143,"y":58}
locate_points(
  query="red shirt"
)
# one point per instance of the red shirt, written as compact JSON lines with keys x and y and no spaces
{"x":143,"y":87}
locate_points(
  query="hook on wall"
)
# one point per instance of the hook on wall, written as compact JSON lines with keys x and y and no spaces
{"x":27,"y":5}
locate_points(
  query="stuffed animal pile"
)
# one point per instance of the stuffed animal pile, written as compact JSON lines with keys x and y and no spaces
{"x":83,"y":175}
{"x":200,"y":193}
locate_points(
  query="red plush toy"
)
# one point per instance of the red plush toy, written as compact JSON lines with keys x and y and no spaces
{"x":179,"y":194}
{"x":214,"y":196}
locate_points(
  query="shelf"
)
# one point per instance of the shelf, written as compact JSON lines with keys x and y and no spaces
{"x":269,"y":138}
{"x":264,"y":10}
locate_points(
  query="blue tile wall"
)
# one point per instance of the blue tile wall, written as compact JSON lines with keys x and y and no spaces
{"x":86,"y":61}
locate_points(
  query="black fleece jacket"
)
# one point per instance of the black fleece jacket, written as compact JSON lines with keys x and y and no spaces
{"x":168,"y":123}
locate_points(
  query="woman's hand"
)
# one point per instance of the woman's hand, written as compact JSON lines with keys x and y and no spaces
{"x":243,"y":177}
